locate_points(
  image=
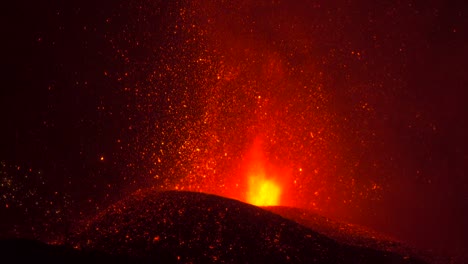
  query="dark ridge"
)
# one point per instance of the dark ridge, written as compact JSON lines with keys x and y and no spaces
{"x":344,"y":232}
{"x":352,"y":234}
{"x":200,"y":228}
{"x":32,"y":251}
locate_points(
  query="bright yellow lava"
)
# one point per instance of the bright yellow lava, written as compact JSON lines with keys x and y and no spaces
{"x":263,"y":192}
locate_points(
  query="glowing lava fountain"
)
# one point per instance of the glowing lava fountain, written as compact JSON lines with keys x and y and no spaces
{"x":263,"y":188}
{"x":263,"y":192}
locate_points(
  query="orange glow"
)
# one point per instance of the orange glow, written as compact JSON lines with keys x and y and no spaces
{"x":263,"y":187}
{"x":263,"y":192}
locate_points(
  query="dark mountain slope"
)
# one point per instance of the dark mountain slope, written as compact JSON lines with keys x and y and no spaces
{"x":196,"y":227}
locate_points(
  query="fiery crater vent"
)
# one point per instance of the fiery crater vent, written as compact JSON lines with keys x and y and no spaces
{"x":263,"y":192}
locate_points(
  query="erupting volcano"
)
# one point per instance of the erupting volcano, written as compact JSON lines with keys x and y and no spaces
{"x":235,"y":131}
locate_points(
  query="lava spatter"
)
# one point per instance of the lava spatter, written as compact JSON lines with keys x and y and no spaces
{"x":250,"y":89}
{"x":359,"y":107}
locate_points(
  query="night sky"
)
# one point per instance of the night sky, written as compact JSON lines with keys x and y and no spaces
{"x":357,"y":109}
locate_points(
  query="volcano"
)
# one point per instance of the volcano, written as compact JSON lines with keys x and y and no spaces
{"x":191,"y":227}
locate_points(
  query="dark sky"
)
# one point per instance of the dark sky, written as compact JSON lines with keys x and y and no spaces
{"x":362,"y":103}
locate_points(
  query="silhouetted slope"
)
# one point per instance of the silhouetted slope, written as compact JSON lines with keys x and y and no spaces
{"x":347,"y":233}
{"x":31,"y":251}
{"x":351,"y":234}
{"x":195,"y":227}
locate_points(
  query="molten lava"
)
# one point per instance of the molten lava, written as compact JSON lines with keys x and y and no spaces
{"x":263,"y":192}
{"x":262,"y":187}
